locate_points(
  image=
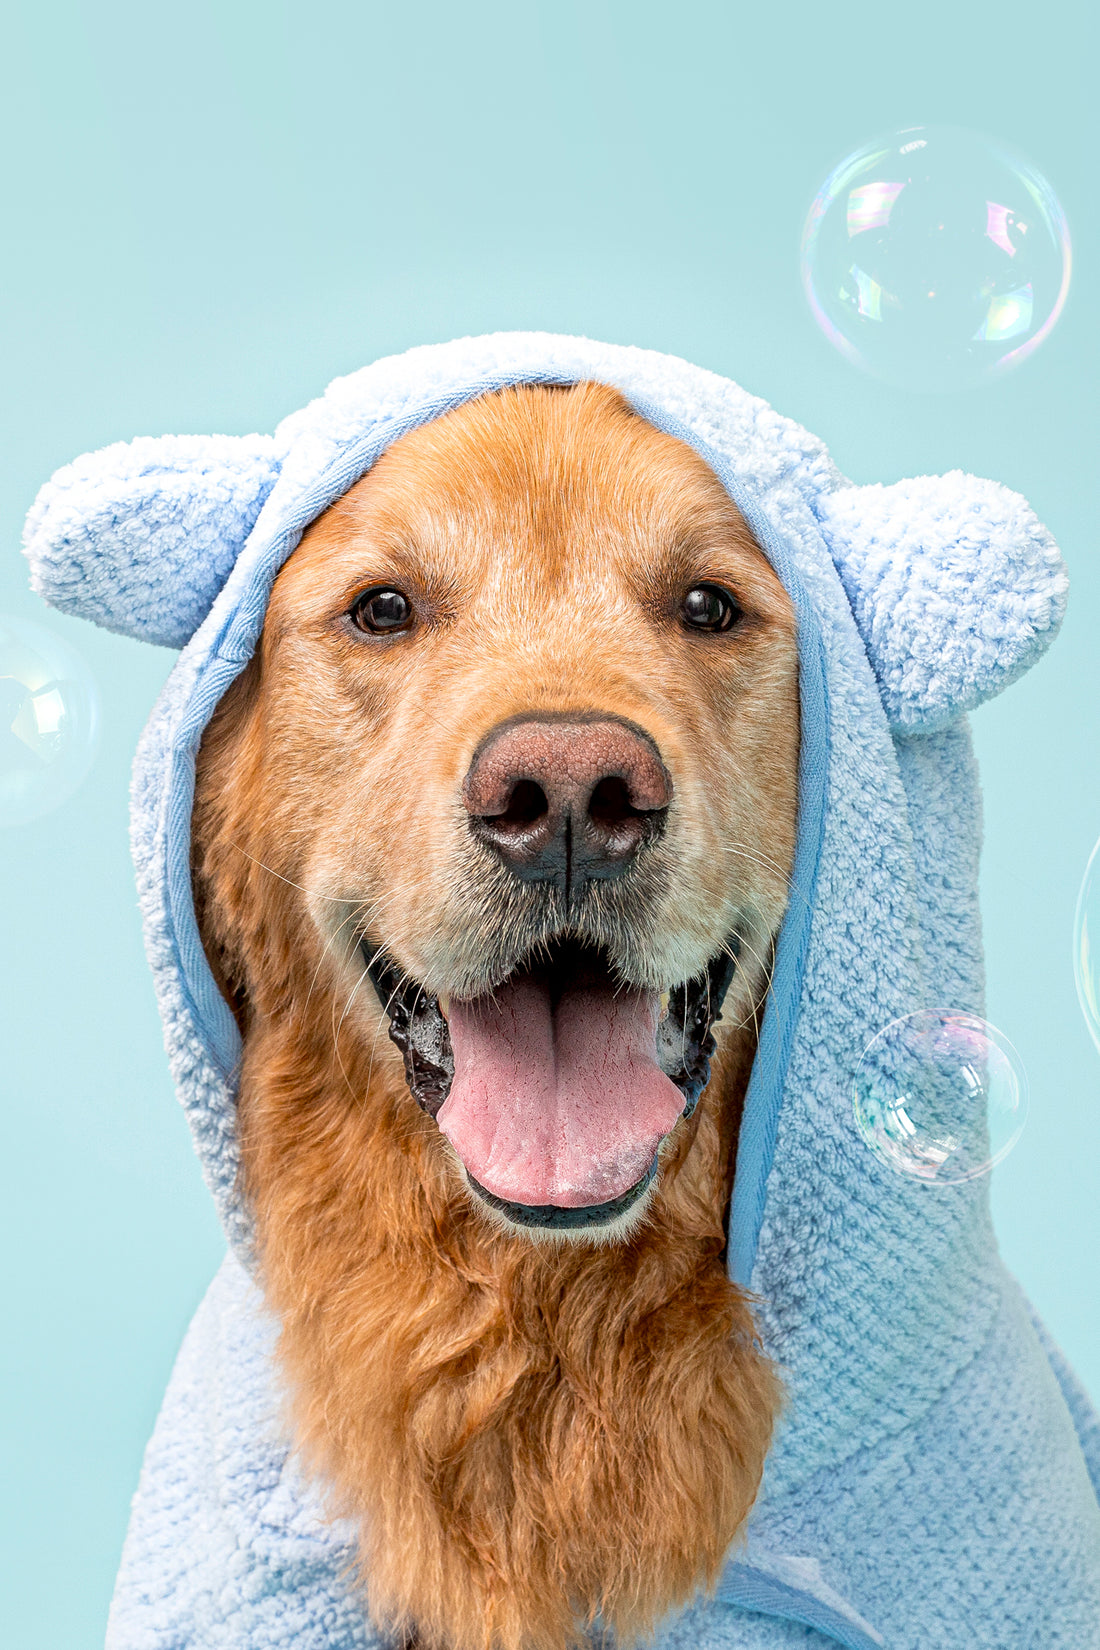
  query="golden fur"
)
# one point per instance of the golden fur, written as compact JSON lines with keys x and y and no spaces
{"x":531,"y":1434}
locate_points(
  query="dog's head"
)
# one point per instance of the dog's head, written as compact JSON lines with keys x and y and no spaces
{"x":520,"y":745}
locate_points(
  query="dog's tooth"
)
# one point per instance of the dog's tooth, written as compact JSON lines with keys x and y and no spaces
{"x":445,"y":1002}
{"x":664,"y":1005}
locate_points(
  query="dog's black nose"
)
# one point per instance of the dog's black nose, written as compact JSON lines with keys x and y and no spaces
{"x":568,"y":799}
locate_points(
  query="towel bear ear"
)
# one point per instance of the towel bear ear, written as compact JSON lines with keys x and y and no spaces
{"x":140,"y":537}
{"x":955,"y":586}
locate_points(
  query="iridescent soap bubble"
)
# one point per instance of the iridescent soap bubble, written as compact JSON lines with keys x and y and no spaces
{"x":940,"y":1095}
{"x":48,"y":721}
{"x":1086,"y":945}
{"x":935,"y":258}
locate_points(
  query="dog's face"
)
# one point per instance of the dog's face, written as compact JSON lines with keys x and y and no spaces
{"x":527,"y":722}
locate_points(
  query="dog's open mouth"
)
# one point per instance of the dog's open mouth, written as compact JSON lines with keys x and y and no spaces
{"x":557,"y":1088}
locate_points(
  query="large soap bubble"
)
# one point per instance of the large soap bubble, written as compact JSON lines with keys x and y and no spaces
{"x":48,"y":721}
{"x":1086,"y":945}
{"x":935,"y":258}
{"x":940,"y":1095}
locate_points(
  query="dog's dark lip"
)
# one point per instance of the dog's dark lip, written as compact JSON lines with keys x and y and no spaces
{"x":554,"y":1218}
{"x":417,"y":1025}
{"x":685,"y":1046}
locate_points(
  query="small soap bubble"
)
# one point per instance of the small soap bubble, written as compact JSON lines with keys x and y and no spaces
{"x":936,"y":258}
{"x":48,"y":721}
{"x":940,"y":1095}
{"x":1086,"y":945}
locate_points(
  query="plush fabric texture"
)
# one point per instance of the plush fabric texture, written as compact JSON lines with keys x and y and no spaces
{"x":141,"y":536}
{"x":954,"y":584}
{"x":930,"y":1486}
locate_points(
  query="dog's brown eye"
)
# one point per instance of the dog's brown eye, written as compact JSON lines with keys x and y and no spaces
{"x":381,"y":611}
{"x":709,"y":607}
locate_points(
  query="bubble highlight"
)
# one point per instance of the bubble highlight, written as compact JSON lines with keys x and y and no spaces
{"x":936,"y":258}
{"x":49,"y":721}
{"x":940,"y":1096}
{"x":1086,"y":945}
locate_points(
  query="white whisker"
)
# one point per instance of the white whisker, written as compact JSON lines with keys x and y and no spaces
{"x":312,"y":893}
{"x":337,"y":1029}
{"x":765,"y":863}
{"x":384,"y":1017}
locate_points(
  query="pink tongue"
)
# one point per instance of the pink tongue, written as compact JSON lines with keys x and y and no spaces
{"x":562,"y":1105}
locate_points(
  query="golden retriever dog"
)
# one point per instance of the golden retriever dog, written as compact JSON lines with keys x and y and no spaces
{"x":498,"y":818}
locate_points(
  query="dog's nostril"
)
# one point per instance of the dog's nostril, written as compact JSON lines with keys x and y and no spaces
{"x":526,"y":804}
{"x":610,"y":807}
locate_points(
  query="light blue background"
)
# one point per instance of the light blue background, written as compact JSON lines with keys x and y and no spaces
{"x":211,"y":210}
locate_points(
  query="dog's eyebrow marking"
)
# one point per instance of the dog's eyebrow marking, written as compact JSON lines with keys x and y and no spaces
{"x":429,"y":568}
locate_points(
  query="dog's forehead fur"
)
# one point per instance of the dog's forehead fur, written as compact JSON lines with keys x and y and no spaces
{"x":572,"y":472}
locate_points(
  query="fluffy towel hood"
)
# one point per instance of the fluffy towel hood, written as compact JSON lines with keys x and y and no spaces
{"x":930,"y":1484}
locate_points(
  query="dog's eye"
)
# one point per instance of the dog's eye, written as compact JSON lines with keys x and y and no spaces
{"x":381,"y":611}
{"x":709,"y":607}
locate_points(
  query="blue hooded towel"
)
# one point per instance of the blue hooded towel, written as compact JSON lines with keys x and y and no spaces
{"x":934,"y":1482}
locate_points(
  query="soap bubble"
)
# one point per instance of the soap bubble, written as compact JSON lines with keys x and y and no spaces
{"x":935,"y":258}
{"x":940,"y":1095}
{"x":48,"y":721}
{"x":1086,"y":945}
